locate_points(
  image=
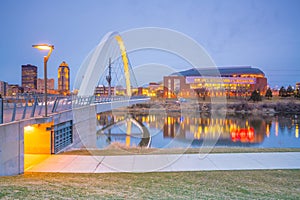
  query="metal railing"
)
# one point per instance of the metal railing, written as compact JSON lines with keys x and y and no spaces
{"x":1,"y":110}
{"x":87,"y":100}
{"x":29,"y":106}
{"x":23,"y":107}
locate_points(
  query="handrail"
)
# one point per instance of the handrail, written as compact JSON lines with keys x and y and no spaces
{"x":28,"y":106}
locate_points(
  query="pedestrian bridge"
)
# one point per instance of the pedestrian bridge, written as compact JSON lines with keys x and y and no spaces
{"x":70,"y":123}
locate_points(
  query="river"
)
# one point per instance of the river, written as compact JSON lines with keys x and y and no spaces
{"x":175,"y":130}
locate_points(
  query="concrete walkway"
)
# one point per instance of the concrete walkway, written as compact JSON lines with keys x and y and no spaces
{"x":165,"y":163}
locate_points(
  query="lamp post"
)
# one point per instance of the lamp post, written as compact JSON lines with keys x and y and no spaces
{"x":46,"y":58}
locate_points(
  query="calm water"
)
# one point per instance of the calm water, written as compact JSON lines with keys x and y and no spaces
{"x":181,"y":131}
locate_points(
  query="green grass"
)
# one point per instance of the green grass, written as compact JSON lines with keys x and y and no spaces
{"x":121,"y":150}
{"x":262,"y":184}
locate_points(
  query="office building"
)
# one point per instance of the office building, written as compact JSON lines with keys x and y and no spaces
{"x":63,"y":78}
{"x":101,"y":90}
{"x":3,"y":88}
{"x":41,"y":86}
{"x":29,"y":78}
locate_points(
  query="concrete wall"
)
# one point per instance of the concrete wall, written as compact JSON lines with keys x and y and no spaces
{"x":11,"y":149}
{"x":12,"y":141}
{"x":84,"y":127}
{"x":12,"y":145}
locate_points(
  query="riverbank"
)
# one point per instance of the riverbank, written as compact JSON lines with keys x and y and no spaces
{"x":265,"y":107}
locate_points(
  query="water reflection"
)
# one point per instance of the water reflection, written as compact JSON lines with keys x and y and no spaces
{"x":108,"y":122}
{"x":234,"y":130}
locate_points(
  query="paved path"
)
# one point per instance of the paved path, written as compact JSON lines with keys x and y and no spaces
{"x":165,"y":163}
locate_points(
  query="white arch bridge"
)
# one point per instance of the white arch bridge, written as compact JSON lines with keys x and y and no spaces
{"x":107,"y":61}
{"x":71,"y":124}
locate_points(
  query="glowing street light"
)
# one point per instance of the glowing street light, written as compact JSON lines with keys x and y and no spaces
{"x":46,"y":58}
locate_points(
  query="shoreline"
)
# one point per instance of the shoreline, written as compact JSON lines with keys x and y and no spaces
{"x":236,"y":107}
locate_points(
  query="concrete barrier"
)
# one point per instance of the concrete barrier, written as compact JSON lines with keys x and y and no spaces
{"x":12,"y":145}
{"x":11,"y":149}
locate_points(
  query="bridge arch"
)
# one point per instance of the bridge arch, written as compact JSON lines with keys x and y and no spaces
{"x":94,"y":64}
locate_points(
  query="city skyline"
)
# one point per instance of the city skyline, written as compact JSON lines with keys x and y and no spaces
{"x":234,"y":33}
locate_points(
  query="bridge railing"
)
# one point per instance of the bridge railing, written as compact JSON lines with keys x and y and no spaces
{"x":87,"y":100}
{"x":23,"y":107}
{"x":28,"y":106}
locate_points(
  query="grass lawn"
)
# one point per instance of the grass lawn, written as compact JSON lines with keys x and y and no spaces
{"x":262,"y":184}
{"x":122,"y":150}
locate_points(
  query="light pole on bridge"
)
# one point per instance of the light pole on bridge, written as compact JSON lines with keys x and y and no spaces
{"x":46,"y":58}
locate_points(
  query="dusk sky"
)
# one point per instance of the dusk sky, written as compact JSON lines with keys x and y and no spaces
{"x":258,"y":33}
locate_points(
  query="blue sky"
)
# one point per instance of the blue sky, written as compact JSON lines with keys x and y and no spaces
{"x":260,"y":33}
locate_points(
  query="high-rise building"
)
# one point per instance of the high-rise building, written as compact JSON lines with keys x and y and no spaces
{"x":29,"y":77}
{"x":3,"y":88}
{"x":63,"y":78}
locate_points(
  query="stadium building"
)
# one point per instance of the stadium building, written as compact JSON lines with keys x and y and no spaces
{"x":229,"y":81}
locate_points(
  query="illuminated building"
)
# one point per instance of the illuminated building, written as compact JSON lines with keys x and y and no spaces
{"x":156,"y":89}
{"x":3,"y":88}
{"x":50,"y":86}
{"x":230,"y":81}
{"x":153,"y":90}
{"x":64,"y":78}
{"x":297,"y":86}
{"x":297,"y":90}
{"x":29,"y":78}
{"x":140,"y":91}
{"x":101,"y":90}
{"x":14,"y":89}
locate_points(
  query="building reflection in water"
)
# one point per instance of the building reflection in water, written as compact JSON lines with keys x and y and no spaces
{"x":233,"y":129}
{"x":297,"y":131}
{"x":204,"y":127}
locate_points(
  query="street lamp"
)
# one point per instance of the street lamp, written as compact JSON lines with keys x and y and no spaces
{"x":49,"y":48}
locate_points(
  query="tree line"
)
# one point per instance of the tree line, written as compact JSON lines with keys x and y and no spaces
{"x":283,"y":92}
